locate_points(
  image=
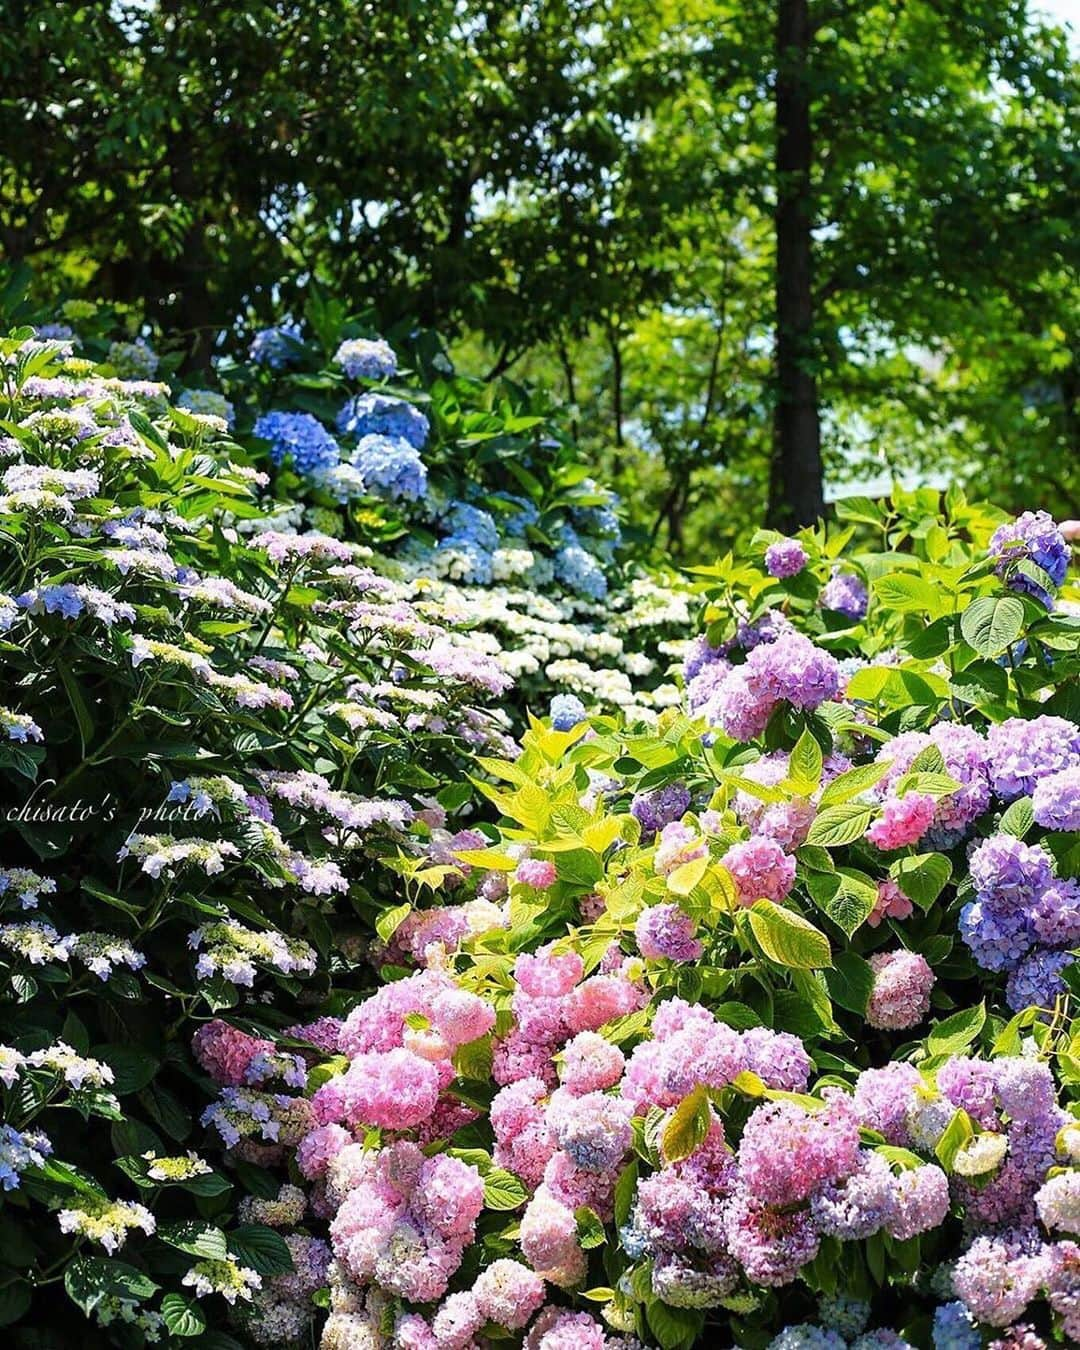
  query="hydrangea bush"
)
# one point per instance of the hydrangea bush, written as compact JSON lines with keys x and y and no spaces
{"x":477,"y":493}
{"x":356,"y":1023}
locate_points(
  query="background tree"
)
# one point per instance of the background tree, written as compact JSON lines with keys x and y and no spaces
{"x":592,"y":194}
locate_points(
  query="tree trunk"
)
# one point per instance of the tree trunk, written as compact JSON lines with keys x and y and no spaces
{"x":795,"y":477}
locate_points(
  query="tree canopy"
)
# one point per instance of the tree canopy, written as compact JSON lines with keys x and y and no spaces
{"x":593,"y":193}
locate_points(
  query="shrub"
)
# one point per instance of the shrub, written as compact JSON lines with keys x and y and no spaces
{"x":749,"y":1022}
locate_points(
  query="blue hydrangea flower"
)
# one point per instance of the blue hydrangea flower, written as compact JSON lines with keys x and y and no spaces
{"x":1036,"y":981}
{"x":381,"y":415}
{"x":366,"y":359}
{"x":1035,"y":537}
{"x":390,"y":467}
{"x":465,"y":559}
{"x":519,"y":520}
{"x":953,"y":1328}
{"x":579,"y":572}
{"x":567,"y":710}
{"x":275,"y":347}
{"x":463,"y":521}
{"x":207,"y":402}
{"x":300,"y":435}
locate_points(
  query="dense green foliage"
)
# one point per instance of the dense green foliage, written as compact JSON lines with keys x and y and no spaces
{"x":586,"y":191}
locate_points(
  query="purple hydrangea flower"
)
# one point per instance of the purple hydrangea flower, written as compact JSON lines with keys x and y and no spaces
{"x":785,"y":558}
{"x":655,"y":809}
{"x":1007,"y":869}
{"x":666,"y":931}
{"x":845,"y":593}
{"x":1056,"y":800}
{"x":1024,"y":752}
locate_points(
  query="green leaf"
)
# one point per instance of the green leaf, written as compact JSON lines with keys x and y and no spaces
{"x":503,"y":1190}
{"x":804,"y":765}
{"x":787,"y":938}
{"x":89,"y":1279}
{"x":388,"y":922}
{"x":958,"y":1131}
{"x":852,"y":783}
{"x":579,"y":866}
{"x":907,"y":593}
{"x":14,"y":1301}
{"x":133,"y":1069}
{"x":839,"y":825}
{"x":849,"y":897}
{"x":625,"y":1190}
{"x":991,"y":623}
{"x":1018,"y":818}
{"x":590,"y":1228}
{"x":260,"y":1248}
{"x":923,"y":877}
{"x":674,"y":1328}
{"x":953,"y":1035}
{"x":850,"y":982}
{"x":688,"y":1127}
{"x":687,"y":875}
{"x":183,"y":1316}
{"x":195,"y":1237}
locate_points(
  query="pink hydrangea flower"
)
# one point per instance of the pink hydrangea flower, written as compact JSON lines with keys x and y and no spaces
{"x":508,"y":1293}
{"x":318,"y":1149}
{"x":549,"y":973}
{"x":590,"y":1064}
{"x":226,"y":1052}
{"x":539,"y":873}
{"x":760,"y":869}
{"x":788,"y":1152}
{"x":900,"y":997}
{"x":904,"y":820}
{"x":891,"y":903}
{"x":395,"y":1090}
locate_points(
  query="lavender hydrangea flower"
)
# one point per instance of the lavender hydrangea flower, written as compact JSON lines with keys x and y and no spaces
{"x":785,"y":558}
{"x":846,"y":594}
{"x":1024,"y":752}
{"x":1056,"y":800}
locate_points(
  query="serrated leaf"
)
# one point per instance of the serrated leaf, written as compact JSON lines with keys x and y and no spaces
{"x":1018,"y":818}
{"x":957,"y":1133}
{"x":196,"y":1238}
{"x":954,"y":1034}
{"x":991,"y":624}
{"x":387,"y":924}
{"x":838,"y":825}
{"x":182,"y":1316}
{"x":923,"y":877}
{"x":503,"y":1190}
{"x":687,"y":875}
{"x":688,"y":1127}
{"x":787,"y":938}
{"x":805,"y":765}
{"x":260,"y":1249}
